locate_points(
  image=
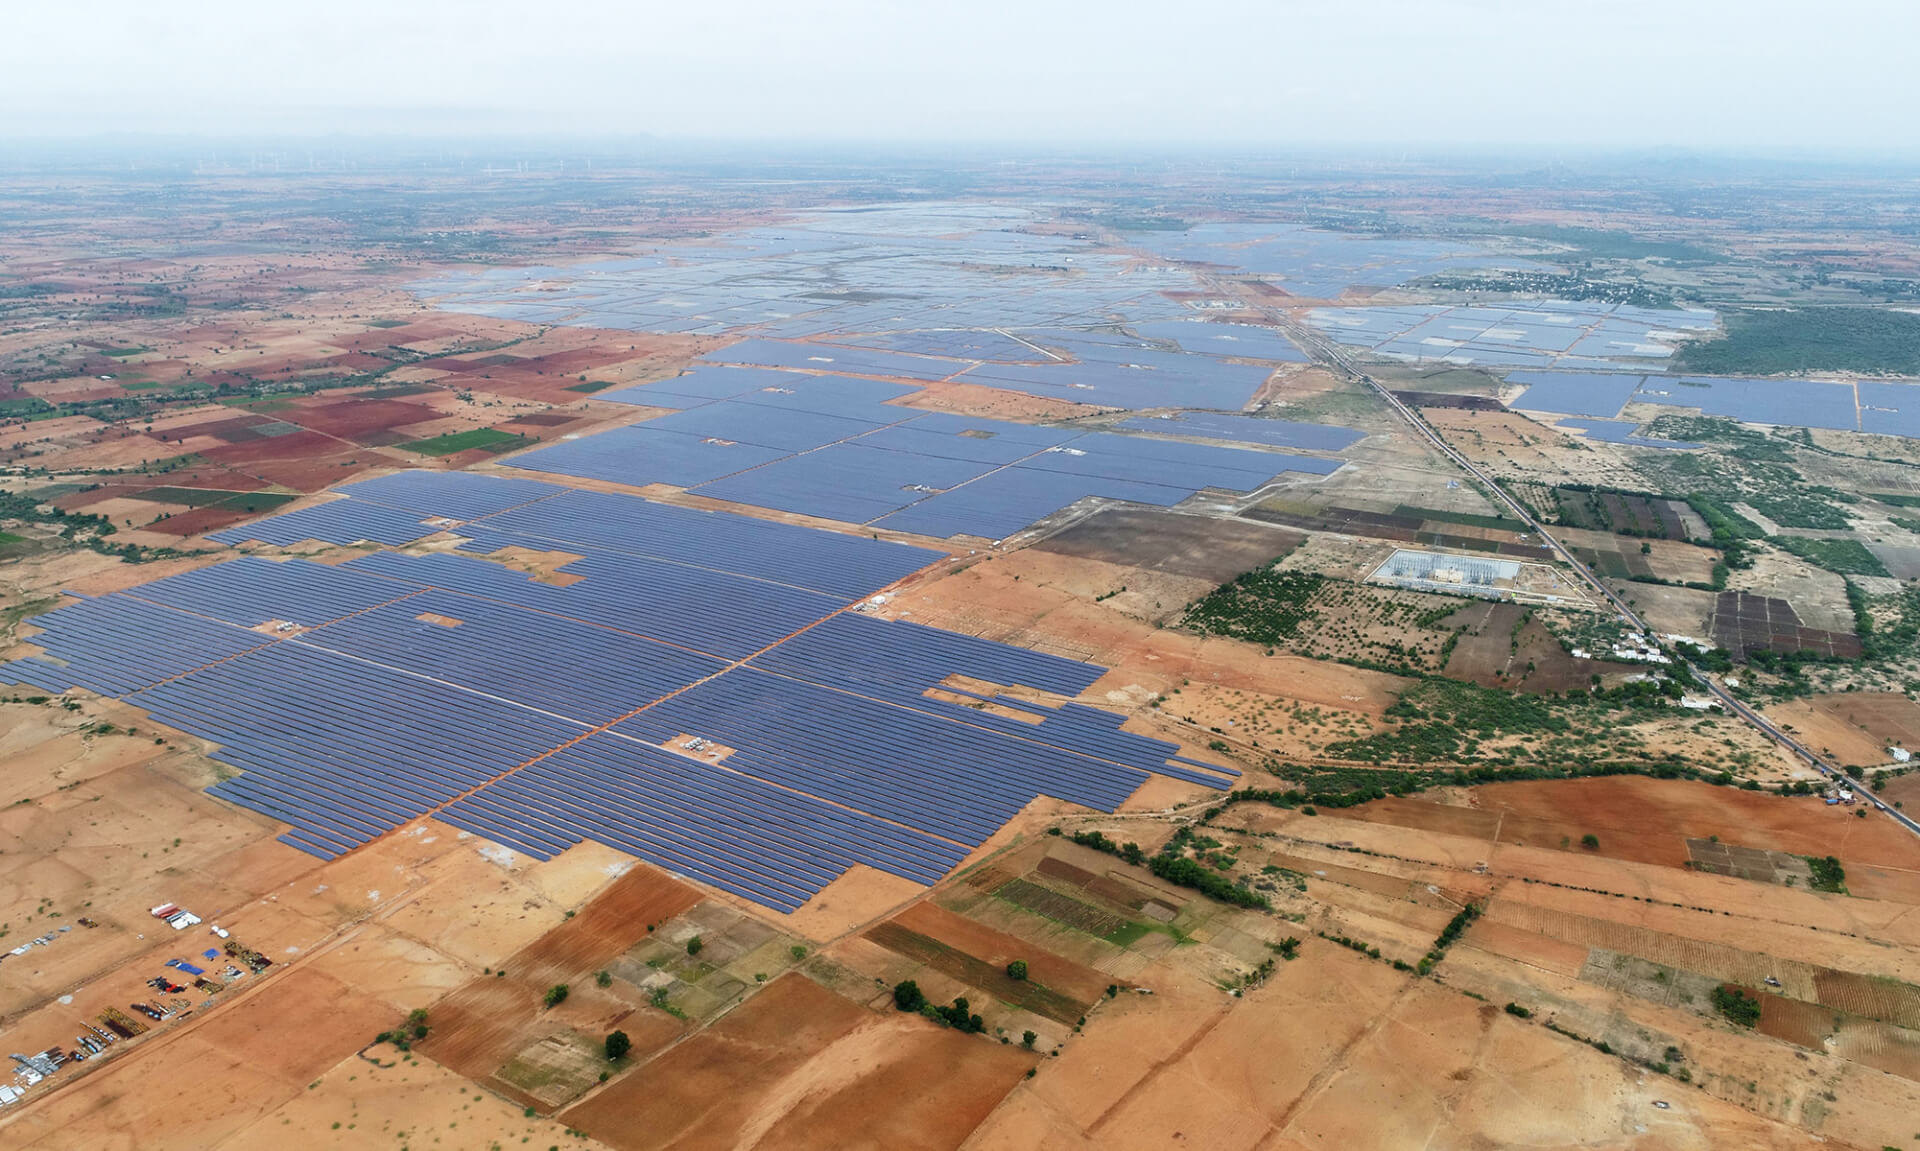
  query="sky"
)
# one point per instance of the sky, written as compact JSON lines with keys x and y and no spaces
{"x":1707,"y":74}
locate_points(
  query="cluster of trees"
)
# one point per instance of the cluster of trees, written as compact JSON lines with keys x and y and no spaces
{"x":1739,"y":1008}
{"x":1128,"y":851}
{"x":908,"y":997}
{"x":407,"y":1034}
{"x":1828,"y":875}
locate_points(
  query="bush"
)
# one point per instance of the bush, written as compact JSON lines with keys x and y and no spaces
{"x":556,"y":995}
{"x":603,"y":978}
{"x":1739,"y":1008}
{"x":618,"y":1044}
{"x":1518,"y":1012}
{"x":907,"y":996}
{"x":1017,"y":969}
{"x":1828,"y":875}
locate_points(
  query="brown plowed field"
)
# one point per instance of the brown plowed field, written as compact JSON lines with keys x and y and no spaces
{"x":1793,"y":1020}
{"x":1711,"y":959}
{"x":1030,"y":994}
{"x":1529,"y":947}
{"x":1425,"y":815}
{"x":480,"y":1026}
{"x":798,"y":1067}
{"x":1650,"y":820}
{"x":353,"y":418}
{"x":1871,"y":997}
{"x":1891,"y":1049}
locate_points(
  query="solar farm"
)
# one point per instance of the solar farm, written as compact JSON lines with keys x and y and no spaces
{"x":1871,"y":406}
{"x":358,"y":698}
{"x":1543,"y":334}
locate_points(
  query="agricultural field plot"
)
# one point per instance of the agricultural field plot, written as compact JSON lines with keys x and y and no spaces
{"x":1404,"y":524}
{"x":1626,"y":513}
{"x":1313,"y":615}
{"x":1743,"y":622}
{"x":776,"y":1070}
{"x":1203,"y":548}
{"x":497,"y":1029}
{"x":1508,"y":645}
{"x":1748,"y":863}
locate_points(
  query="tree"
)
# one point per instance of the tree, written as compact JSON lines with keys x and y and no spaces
{"x":907,"y":996}
{"x":694,"y":945}
{"x":1017,"y":969}
{"x":1590,"y":841}
{"x":603,"y":978}
{"x":617,"y":1046}
{"x":1027,"y":1038}
{"x":556,"y":995}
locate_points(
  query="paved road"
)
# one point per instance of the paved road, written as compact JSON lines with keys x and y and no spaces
{"x":1331,"y":354}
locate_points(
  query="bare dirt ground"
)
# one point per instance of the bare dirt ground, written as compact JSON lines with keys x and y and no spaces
{"x":1857,"y":727}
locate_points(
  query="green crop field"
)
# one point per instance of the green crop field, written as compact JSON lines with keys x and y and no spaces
{"x":486,"y":439}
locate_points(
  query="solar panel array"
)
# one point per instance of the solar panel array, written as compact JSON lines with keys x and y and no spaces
{"x":864,"y":461}
{"x":1864,"y":406}
{"x":1536,"y":334}
{"x":1249,"y":430}
{"x":396,"y":509}
{"x":540,"y":712}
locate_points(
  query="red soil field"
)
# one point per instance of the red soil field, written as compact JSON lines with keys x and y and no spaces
{"x":352,"y":418}
{"x":478,"y":1027}
{"x":998,"y":949}
{"x":798,"y":1067}
{"x":1649,"y":820}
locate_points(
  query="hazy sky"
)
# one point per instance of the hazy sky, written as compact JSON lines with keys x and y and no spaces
{"x":1696,"y":73}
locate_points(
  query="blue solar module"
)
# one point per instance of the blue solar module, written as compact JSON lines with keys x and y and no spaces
{"x":1172,"y":463}
{"x":696,"y":608}
{"x":114,"y":645}
{"x":646,"y":454}
{"x":1597,"y":394}
{"x":849,"y":482}
{"x":1241,"y":340}
{"x":955,"y":344}
{"x":1249,"y":430}
{"x":343,"y":749}
{"x":1138,"y":378}
{"x":702,"y":385}
{"x":337,"y":522}
{"x":834,"y":396}
{"x":454,"y":495}
{"x":1000,"y":503}
{"x":694,"y":818}
{"x":250,"y":591}
{"x":898,"y":763}
{"x":767,"y":426}
{"x":555,"y":664}
{"x":849,"y":567}
{"x":895,"y":659}
{"x":1621,"y":432}
{"x":1784,"y":403}
{"x":1890,"y":409}
{"x":859,"y":361}
{"x":965,"y":438}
